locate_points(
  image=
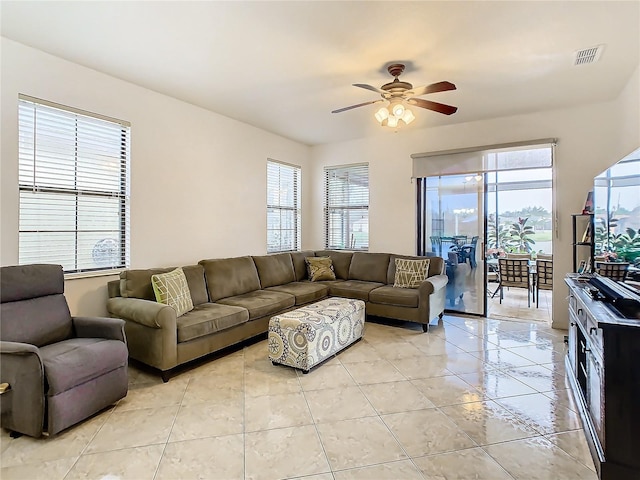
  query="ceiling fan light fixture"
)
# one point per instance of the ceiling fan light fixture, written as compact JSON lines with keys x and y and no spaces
{"x":398,"y":110}
{"x":382,"y":114}
{"x":400,"y":96}
{"x":408,"y":116}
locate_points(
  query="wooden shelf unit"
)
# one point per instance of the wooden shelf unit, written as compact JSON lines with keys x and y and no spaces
{"x":583,"y":249}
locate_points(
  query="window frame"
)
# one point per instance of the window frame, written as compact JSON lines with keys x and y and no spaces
{"x":295,"y":207}
{"x":333,"y":204}
{"x":98,"y":154}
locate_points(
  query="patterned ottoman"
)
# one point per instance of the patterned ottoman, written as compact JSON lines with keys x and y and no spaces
{"x":304,"y":337}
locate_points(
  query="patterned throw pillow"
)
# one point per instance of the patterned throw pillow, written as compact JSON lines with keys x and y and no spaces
{"x":410,"y":273}
{"x":320,"y":268}
{"x":171,"y":288}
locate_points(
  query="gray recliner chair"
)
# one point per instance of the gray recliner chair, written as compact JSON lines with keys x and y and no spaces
{"x":56,"y":369}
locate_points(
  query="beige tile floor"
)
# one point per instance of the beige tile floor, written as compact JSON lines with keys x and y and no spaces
{"x":514,"y":305}
{"x":471,"y":399}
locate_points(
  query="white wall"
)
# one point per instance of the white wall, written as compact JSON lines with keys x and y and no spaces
{"x":590,"y":138}
{"x":198,"y":179}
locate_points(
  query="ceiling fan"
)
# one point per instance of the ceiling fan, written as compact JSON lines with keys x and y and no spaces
{"x":399,"y":94}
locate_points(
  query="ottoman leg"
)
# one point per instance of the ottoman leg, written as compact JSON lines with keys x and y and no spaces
{"x":304,"y":372}
{"x":425,"y":327}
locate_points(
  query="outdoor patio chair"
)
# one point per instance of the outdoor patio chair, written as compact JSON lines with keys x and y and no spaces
{"x":514,"y":273}
{"x":436,"y":245}
{"x":519,"y":255}
{"x":544,"y":277}
{"x":613,"y":270}
{"x":468,"y":252}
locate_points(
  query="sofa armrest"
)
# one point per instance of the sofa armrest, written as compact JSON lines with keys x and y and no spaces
{"x":22,"y":403}
{"x":99,"y":327}
{"x":145,"y":312}
{"x":433,"y":284}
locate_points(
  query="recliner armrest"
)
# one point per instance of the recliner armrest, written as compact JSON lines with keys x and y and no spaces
{"x":18,"y":348}
{"x":23,"y":404}
{"x":99,"y":327}
{"x":145,"y":312}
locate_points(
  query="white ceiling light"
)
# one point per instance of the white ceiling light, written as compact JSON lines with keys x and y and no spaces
{"x":398,"y":110}
{"x":394,"y":115}
{"x":382,"y":114}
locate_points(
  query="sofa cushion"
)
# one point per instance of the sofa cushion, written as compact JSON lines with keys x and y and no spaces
{"x":171,"y":289}
{"x":353,"y":289}
{"x":436,"y":265}
{"x":208,"y":318}
{"x":261,"y":303}
{"x":319,"y":268}
{"x":38,"y":321}
{"x":274,"y":269}
{"x":72,"y":362}
{"x":410,"y":273}
{"x":340,"y":261}
{"x":305,"y":292}
{"x":299,"y":264}
{"x":137,"y":283}
{"x":227,"y":277}
{"x":197,"y":285}
{"x":22,"y":282}
{"x":401,"y":297}
{"x":369,"y":267}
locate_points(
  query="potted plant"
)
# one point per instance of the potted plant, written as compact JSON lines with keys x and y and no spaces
{"x":521,"y":236}
{"x":627,"y":245}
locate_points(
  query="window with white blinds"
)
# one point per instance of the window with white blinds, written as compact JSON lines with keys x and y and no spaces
{"x":283,"y":207}
{"x":74,"y":188}
{"x":347,"y":207}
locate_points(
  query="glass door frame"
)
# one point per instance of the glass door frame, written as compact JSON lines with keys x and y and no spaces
{"x":424,"y":231}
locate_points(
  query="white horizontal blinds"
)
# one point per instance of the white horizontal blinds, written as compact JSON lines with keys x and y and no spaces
{"x":347,"y":207}
{"x":283,"y":207}
{"x":512,"y":156}
{"x":74,"y":192}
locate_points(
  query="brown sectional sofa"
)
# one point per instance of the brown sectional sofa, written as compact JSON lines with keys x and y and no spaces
{"x":234,"y":298}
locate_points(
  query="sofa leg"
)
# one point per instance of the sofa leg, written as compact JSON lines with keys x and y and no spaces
{"x":14,"y":434}
{"x":425,"y":327}
{"x":165,"y":375}
{"x":304,"y":372}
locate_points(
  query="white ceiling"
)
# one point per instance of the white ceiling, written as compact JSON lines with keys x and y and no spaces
{"x":283,"y":66}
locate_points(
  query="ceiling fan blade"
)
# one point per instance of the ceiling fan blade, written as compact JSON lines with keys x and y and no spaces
{"x":433,"y":88}
{"x":435,"y":106}
{"x":369,"y":87}
{"x":356,"y":106}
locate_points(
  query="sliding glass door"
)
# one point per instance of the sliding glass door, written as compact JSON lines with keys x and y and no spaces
{"x":451,"y":225}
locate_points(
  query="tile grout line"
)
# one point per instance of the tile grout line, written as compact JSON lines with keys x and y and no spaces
{"x":244,"y":410}
{"x":164,"y":449}
{"x":315,"y":425}
{"x":113,"y":409}
{"x":408,"y":457}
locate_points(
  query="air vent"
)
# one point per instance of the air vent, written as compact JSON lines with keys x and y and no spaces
{"x":588,"y":55}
